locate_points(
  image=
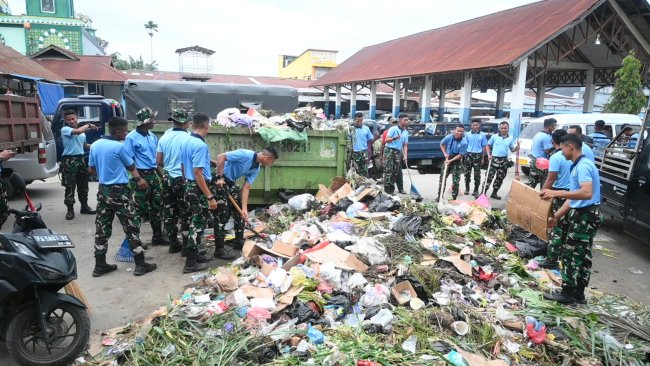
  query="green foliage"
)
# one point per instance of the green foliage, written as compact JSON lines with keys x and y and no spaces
{"x":132,"y":64}
{"x":628,"y":95}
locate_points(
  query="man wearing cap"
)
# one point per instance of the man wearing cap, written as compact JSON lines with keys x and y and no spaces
{"x":231,"y":166}
{"x":169,"y":160}
{"x":361,"y":142}
{"x":73,"y":168}
{"x":196,"y":170}
{"x":476,"y":142}
{"x":109,"y":160}
{"x":454,"y":148}
{"x":140,"y":145}
{"x":397,"y":140}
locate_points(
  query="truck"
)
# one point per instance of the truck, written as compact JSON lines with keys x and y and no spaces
{"x":24,"y":128}
{"x":625,"y":182}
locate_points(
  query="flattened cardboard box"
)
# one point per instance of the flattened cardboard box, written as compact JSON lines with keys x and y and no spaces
{"x":526,"y":209}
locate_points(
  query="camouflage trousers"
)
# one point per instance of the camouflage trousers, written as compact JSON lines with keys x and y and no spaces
{"x":4,"y":207}
{"x":558,"y":233}
{"x":174,"y":206}
{"x":582,"y":225}
{"x":148,"y":202}
{"x":473,"y":162}
{"x":456,"y":170}
{"x":74,"y":174}
{"x":115,"y":200}
{"x":225,"y":209}
{"x":360,"y":159}
{"x":392,"y":169}
{"x":500,"y":169}
{"x":200,"y":216}
{"x":536,"y":176}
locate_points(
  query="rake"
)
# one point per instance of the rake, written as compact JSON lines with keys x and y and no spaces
{"x":124,"y":253}
{"x":487,"y":174}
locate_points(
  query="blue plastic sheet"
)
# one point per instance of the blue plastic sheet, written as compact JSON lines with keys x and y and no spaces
{"x":50,"y":95}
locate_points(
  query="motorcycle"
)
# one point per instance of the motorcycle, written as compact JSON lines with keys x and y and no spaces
{"x":41,"y":327}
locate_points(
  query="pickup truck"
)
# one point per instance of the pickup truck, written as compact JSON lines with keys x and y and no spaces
{"x":625,"y":182}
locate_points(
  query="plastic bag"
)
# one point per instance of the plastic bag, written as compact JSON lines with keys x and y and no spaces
{"x":383,"y":318}
{"x":303,"y":312}
{"x":324,"y":287}
{"x":374,"y":295}
{"x":504,"y":315}
{"x":412,"y":224}
{"x":535,"y":330}
{"x":237,"y":298}
{"x":356,"y":281}
{"x":226,"y":280}
{"x":383,"y":203}
{"x":410,"y":344}
{"x":257,"y":316}
{"x":456,"y":358}
{"x":352,"y":210}
{"x":278,"y":208}
{"x":531,"y":248}
{"x":301,"y":202}
{"x":331,"y":274}
{"x":343,"y":204}
{"x":315,"y":335}
{"x":299,"y":278}
{"x":371,"y":249}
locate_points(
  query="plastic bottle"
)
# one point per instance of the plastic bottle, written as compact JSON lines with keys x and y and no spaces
{"x":141,"y":337}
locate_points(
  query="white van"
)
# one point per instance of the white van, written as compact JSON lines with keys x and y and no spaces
{"x":586,"y":121}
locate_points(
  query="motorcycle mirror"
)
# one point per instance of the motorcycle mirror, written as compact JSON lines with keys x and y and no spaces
{"x":17,"y":182}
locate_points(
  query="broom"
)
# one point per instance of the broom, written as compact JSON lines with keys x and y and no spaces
{"x":443,"y":183}
{"x":72,"y":288}
{"x":414,"y":189}
{"x":124,"y":253}
{"x":487,"y":174}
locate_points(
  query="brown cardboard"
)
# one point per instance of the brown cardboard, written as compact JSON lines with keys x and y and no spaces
{"x":251,"y":249}
{"x":342,"y":192}
{"x":287,"y":297}
{"x":461,"y":261}
{"x":341,"y":258}
{"x":284,"y":248}
{"x":401,"y":287}
{"x":526,"y":209}
{"x":323,"y":194}
{"x":368,"y":191}
{"x":260,"y":292}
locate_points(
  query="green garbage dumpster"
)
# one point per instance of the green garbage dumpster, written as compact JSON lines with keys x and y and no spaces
{"x":301,"y":167}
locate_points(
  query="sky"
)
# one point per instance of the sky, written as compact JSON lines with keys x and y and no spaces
{"x":248,"y":35}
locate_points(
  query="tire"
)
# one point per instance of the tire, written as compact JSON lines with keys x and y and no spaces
{"x":25,"y":324}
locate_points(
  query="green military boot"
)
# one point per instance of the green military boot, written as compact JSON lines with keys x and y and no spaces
{"x":101,"y":267}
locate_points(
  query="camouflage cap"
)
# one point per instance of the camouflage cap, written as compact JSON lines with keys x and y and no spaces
{"x":145,"y":115}
{"x":179,"y":115}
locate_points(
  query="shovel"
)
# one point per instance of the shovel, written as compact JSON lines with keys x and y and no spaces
{"x":487,"y":174}
{"x":443,"y":183}
{"x":247,"y":225}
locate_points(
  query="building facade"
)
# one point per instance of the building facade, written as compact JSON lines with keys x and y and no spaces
{"x":310,"y":65}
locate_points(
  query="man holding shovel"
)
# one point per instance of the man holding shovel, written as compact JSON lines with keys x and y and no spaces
{"x":498,"y":149}
{"x":454,"y":147}
{"x":231,"y":166}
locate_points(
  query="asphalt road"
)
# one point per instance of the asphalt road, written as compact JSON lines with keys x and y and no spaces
{"x":120,"y":297}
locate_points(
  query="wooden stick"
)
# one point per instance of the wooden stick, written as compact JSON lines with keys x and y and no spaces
{"x":73,"y":289}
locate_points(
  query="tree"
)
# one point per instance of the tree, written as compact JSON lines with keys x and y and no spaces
{"x":628,"y":95}
{"x":132,"y":63}
{"x":151,"y":27}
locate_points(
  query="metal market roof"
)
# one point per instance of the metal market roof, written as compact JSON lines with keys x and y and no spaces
{"x":491,"y":41}
{"x":13,"y":63}
{"x":196,"y":48}
{"x":77,"y":67}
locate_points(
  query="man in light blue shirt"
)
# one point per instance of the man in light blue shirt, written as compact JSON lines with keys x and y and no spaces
{"x":600,"y":138}
{"x":582,"y":210}
{"x":362,"y":140}
{"x":476,"y":142}
{"x":498,"y":149}
{"x":231,"y":166}
{"x":542,"y":148}
{"x":632,"y":137}
{"x":586,"y":149}
{"x":169,"y":160}
{"x":74,"y":172}
{"x":396,"y":151}
{"x":454,"y":148}
{"x":110,"y":162}
{"x":200,"y":200}
{"x":140,"y":145}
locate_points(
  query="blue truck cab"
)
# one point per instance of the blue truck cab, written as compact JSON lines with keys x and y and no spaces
{"x":93,"y":109}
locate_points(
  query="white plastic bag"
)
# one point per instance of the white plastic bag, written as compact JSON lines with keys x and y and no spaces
{"x":383,"y":318}
{"x":331,"y":274}
{"x":371,"y":249}
{"x":374,"y":295}
{"x":300,"y":202}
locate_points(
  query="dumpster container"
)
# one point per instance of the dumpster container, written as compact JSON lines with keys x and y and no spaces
{"x":301,"y":167}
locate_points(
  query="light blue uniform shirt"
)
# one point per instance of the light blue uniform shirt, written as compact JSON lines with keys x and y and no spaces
{"x":171,"y":146}
{"x":142,"y":149}
{"x":560,"y":165}
{"x":241,"y":163}
{"x":584,"y":170}
{"x":362,"y":136}
{"x":600,"y":142}
{"x":588,"y":152}
{"x":476,"y":142}
{"x":196,"y":154}
{"x":72,"y":144}
{"x":542,"y":141}
{"x":110,"y":160}
{"x":454,"y":147}
{"x":501,"y":146}
{"x":403,"y":135}
{"x":631,"y":143}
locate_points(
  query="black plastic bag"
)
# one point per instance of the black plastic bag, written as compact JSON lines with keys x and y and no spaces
{"x":339,"y":299}
{"x":531,"y":248}
{"x":303,"y":312}
{"x":285,"y":195}
{"x":383,"y":203}
{"x":412,"y":224}
{"x":343,"y":204}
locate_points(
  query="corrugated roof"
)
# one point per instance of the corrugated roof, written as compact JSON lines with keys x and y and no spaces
{"x":86,"y":68}
{"x":13,"y":62}
{"x":494,"y":40}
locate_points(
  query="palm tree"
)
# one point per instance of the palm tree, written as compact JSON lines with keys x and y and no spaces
{"x":152,"y":27}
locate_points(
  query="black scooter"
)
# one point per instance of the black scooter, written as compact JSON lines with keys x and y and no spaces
{"x":39,"y":325}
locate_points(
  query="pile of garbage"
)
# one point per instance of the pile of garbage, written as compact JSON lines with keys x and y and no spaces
{"x":300,"y":120}
{"x":353,"y":276}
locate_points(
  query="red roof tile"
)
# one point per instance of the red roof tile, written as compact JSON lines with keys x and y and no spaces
{"x":87,"y":68}
{"x":493,"y":40}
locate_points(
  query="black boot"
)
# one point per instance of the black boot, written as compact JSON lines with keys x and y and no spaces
{"x":159,"y":238}
{"x":495,"y":196}
{"x":220,"y":250}
{"x":580,"y":295}
{"x":467,"y":190}
{"x":175,"y":246}
{"x":142,"y":267}
{"x":475,"y":193}
{"x":70,"y":214}
{"x":184,"y":246}
{"x":191,"y":264}
{"x":85,"y":209}
{"x":566,"y":296}
{"x":548,"y":263}
{"x":101,"y":267}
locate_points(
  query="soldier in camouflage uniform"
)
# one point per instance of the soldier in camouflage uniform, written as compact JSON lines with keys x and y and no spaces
{"x":169,"y":160}
{"x":196,"y":170}
{"x":395,"y":152}
{"x":73,"y":168}
{"x":498,"y":149}
{"x":541,"y":148}
{"x":361,"y":142}
{"x":454,"y":147}
{"x":4,"y":208}
{"x":110,"y":162}
{"x":583,"y":216}
{"x":141,"y":145}
{"x":476,"y":142}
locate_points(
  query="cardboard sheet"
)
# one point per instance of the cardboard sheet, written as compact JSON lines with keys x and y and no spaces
{"x":526,"y":209}
{"x":254,"y":291}
{"x":461,"y":261}
{"x":342,"y":258}
{"x":342,"y":192}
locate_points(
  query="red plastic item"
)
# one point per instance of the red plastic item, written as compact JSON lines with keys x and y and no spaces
{"x":542,"y":163}
{"x":303,"y":257}
{"x":537,"y":336}
{"x":325,"y":287}
{"x":367,"y":363}
{"x":511,"y":248}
